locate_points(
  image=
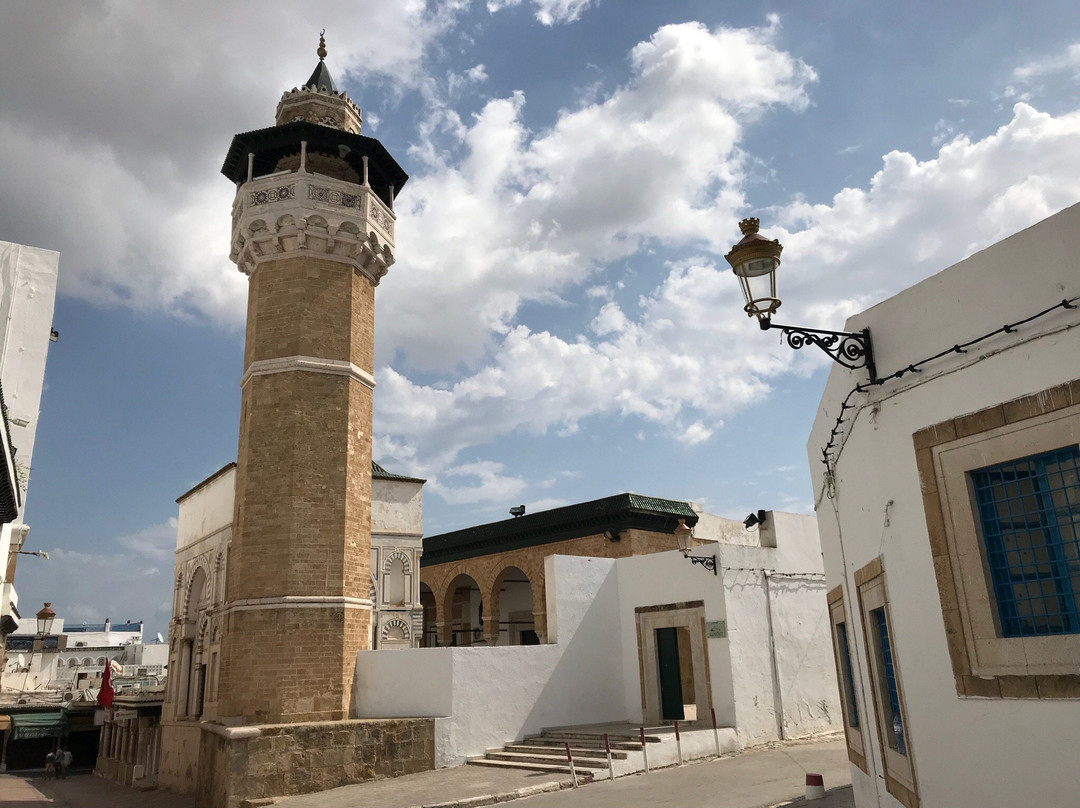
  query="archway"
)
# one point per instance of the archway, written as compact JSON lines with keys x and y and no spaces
{"x":464,"y":610}
{"x":430,"y":636}
{"x":512,"y":595}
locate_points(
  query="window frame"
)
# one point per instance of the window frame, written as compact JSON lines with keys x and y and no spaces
{"x":900,"y":779}
{"x":846,"y":679}
{"x":985,"y":663}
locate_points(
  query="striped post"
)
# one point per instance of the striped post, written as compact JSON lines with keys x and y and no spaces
{"x":644,"y":750}
{"x":610,"y":764}
{"x":570,"y":758}
{"x":815,"y":787}
{"x":678,"y":742}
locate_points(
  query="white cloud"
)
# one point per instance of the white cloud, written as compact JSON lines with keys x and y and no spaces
{"x":1068,"y":61}
{"x":548,"y":12}
{"x":687,"y":356}
{"x":523,"y":215}
{"x":490,"y":485}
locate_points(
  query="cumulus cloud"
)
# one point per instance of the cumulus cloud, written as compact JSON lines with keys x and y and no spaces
{"x":523,"y":215}
{"x":683,"y":359}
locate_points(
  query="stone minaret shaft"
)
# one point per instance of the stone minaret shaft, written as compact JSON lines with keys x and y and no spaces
{"x":313,"y":229}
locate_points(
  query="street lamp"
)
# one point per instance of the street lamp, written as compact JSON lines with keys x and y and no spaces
{"x":754,"y":260}
{"x":45,"y":619}
{"x":683,"y":534}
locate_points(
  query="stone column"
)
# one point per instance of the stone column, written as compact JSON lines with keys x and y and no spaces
{"x":491,"y":629}
{"x":184,"y":679}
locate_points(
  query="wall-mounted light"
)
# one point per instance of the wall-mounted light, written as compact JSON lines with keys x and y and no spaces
{"x":754,"y":260}
{"x":613,"y":535}
{"x":754,"y":519}
{"x":517,"y":510}
{"x":683,"y":535}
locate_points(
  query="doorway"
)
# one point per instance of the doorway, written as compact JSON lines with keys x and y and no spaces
{"x":673,"y":661}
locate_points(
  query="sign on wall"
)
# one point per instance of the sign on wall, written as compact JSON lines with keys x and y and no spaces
{"x":715,"y":629}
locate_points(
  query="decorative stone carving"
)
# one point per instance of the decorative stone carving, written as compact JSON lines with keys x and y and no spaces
{"x":302,"y":213}
{"x":396,"y":629}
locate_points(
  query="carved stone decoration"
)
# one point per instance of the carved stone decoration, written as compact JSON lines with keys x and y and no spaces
{"x":261,"y":197}
{"x":305,"y":215}
{"x":396,"y":626}
{"x":406,"y":562}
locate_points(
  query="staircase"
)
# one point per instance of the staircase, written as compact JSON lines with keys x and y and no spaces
{"x":546,"y":752}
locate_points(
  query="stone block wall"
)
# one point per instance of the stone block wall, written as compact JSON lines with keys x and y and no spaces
{"x":278,"y":760}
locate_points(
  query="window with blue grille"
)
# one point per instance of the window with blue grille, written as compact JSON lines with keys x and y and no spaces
{"x":894,"y":723}
{"x":849,"y":678}
{"x":1029,"y":512}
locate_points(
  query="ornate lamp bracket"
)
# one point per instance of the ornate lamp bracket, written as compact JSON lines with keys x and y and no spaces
{"x":852,"y":349}
{"x":708,"y":562}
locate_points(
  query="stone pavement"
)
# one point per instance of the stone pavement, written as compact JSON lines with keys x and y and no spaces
{"x":768,"y":776}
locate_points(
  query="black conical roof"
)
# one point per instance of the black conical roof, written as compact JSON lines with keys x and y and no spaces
{"x":321,"y":78}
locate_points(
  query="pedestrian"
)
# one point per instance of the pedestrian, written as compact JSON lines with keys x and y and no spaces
{"x":65,"y":761}
{"x":50,"y":765}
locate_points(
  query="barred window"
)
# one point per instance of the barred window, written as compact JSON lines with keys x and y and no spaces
{"x":1029,"y":514}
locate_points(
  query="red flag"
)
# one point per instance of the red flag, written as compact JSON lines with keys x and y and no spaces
{"x":105,"y":695}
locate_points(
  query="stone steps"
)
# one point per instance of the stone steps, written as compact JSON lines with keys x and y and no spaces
{"x":577,"y":751}
{"x":550,"y":759}
{"x":550,"y":768}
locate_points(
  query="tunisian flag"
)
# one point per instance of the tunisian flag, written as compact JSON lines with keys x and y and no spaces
{"x":105,"y":695}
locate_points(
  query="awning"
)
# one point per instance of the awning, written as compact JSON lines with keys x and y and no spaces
{"x":38,"y":725}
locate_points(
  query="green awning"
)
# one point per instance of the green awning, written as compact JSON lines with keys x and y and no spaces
{"x":38,"y":725}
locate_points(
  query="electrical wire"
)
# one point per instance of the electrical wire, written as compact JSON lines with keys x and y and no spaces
{"x":916,"y":367}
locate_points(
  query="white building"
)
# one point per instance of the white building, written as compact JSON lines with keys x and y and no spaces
{"x":27,"y":292}
{"x":750,"y":642}
{"x":949,"y":512}
{"x":73,"y":656}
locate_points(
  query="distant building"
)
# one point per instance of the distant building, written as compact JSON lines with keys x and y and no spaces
{"x":27,"y":293}
{"x":49,"y":685}
{"x":949,"y":511}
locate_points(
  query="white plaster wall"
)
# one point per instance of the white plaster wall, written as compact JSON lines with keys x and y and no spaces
{"x":397,"y":507}
{"x":489,"y":696}
{"x":206,"y":510}
{"x":991,"y":753}
{"x":666,"y":578}
{"x":27,"y":292}
{"x":808,"y":699}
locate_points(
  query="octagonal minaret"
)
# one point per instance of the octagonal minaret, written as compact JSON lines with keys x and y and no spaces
{"x":313,"y":229}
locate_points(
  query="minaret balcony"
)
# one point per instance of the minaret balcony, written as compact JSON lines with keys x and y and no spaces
{"x":301,"y":212}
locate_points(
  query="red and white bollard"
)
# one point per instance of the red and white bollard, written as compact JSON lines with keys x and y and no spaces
{"x":678,"y":742}
{"x":815,"y":787}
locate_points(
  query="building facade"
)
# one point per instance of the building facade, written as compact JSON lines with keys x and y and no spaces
{"x":949,"y":511}
{"x":28,"y":278}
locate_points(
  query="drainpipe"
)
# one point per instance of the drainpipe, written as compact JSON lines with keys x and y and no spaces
{"x":778,"y":699}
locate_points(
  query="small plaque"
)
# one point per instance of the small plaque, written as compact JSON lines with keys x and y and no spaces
{"x":715,"y":629}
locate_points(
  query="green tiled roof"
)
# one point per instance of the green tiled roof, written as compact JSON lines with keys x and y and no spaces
{"x":379,"y":473}
{"x":619,"y":512}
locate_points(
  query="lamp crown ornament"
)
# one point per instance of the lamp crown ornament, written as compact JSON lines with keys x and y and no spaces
{"x":750,"y":225}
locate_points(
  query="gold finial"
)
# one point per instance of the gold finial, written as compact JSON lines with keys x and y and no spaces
{"x":322,"y":45}
{"x":749,"y":226}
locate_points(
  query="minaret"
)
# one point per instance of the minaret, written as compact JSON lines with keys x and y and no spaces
{"x":313,"y":229}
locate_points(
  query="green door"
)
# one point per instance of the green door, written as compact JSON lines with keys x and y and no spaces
{"x":667,"y":658}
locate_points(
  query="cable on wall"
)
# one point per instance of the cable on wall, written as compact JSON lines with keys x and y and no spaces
{"x":827,"y":456}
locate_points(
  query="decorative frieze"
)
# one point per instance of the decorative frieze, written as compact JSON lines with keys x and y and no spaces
{"x":380,"y":217}
{"x":331,"y":196}
{"x":278,"y":194}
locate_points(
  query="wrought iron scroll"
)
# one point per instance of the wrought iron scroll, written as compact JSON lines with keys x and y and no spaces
{"x":850,"y":349}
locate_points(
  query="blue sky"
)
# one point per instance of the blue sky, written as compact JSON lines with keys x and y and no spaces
{"x":560,"y":324}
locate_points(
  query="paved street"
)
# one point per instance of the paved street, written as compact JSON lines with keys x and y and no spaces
{"x":755,"y":779}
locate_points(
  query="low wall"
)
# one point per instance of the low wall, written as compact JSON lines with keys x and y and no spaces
{"x":283,"y":759}
{"x":484,"y":697}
